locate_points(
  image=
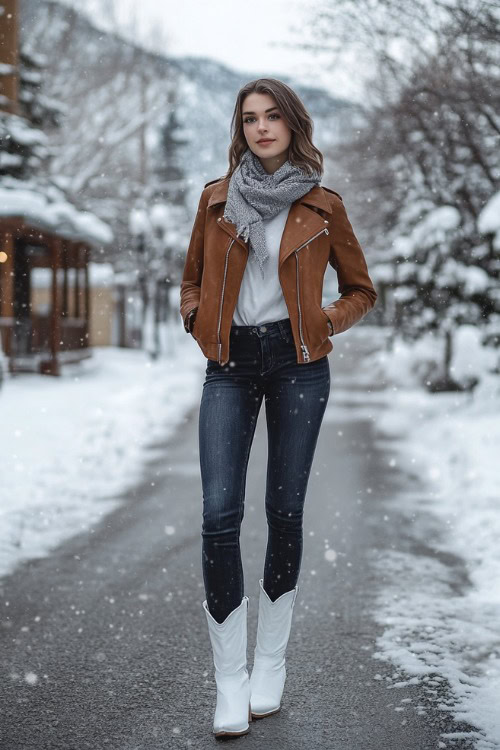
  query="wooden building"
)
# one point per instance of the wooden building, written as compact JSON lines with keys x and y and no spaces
{"x":39,"y":229}
{"x":40,"y":334}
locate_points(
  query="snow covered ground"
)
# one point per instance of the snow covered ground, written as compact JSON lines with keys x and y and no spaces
{"x":71,"y":445}
{"x":440,"y":604}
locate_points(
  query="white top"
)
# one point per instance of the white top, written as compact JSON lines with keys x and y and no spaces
{"x":261,"y":299}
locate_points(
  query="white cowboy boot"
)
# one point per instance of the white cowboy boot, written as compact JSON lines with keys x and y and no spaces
{"x":269,"y":672}
{"x":229,"y":646}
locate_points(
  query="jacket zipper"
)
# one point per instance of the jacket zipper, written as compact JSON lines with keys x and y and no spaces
{"x":305,"y":350}
{"x":222,"y":300}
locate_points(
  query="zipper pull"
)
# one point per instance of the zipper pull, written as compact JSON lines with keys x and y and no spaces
{"x":305,"y":352}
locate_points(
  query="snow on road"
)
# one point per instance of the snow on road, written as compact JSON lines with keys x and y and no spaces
{"x":440,"y":600}
{"x":72,"y":445}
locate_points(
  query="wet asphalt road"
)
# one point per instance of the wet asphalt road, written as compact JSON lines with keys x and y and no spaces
{"x":104,"y":644}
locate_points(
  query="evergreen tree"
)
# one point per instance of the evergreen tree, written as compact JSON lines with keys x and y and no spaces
{"x":23,"y":142}
{"x":429,"y":150}
{"x":159,"y":222}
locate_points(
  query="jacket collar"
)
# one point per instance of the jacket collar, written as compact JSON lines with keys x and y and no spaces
{"x":301,"y":225}
{"x":315,"y":197}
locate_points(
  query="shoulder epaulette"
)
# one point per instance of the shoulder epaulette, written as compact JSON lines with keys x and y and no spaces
{"x":329,"y":190}
{"x":217,"y":179}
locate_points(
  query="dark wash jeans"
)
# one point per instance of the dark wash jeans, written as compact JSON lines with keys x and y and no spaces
{"x":262,"y":364}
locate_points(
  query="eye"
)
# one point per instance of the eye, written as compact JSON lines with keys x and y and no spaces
{"x":273,"y":114}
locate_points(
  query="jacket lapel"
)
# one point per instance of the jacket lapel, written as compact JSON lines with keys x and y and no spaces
{"x":302,"y":225}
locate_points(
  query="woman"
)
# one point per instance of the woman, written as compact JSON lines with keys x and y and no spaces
{"x":251,"y":296}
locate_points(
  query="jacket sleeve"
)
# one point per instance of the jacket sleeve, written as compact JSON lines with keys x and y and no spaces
{"x":190,"y":289}
{"x":357,"y":292}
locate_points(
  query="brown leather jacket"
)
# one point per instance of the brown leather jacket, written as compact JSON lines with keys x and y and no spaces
{"x":317,"y":232}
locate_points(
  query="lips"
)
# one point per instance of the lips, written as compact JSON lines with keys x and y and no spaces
{"x":266,"y":140}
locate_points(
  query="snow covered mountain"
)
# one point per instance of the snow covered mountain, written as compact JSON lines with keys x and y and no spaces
{"x":118,"y":96}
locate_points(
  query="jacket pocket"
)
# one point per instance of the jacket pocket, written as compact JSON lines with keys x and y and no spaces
{"x":321,"y":327}
{"x":203,"y":329}
{"x":193,"y":327}
{"x":327,"y":323}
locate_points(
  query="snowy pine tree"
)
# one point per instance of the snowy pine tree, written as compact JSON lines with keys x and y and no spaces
{"x":423,"y":166}
{"x":159,"y":222}
{"x":23,"y":141}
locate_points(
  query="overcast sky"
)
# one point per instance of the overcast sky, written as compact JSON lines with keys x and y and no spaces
{"x":245,"y":36}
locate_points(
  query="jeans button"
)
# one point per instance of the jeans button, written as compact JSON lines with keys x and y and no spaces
{"x":263,"y":329}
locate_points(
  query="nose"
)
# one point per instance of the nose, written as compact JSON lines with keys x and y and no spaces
{"x":262,"y":127}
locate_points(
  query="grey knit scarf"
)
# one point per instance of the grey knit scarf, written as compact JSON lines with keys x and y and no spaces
{"x":254,"y":195}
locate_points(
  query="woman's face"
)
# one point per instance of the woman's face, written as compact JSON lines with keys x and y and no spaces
{"x":262,"y":119}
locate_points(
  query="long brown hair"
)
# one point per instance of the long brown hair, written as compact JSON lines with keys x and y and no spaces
{"x":301,"y":151}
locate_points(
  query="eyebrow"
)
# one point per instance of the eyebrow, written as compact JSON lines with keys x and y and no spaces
{"x":266,"y":110}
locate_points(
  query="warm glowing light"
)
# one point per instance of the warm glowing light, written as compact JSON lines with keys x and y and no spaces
{"x":3,"y":256}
